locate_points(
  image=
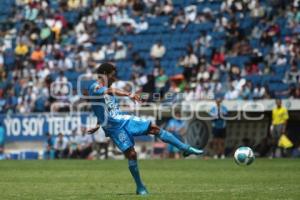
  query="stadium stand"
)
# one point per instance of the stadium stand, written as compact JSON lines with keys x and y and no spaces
{"x":244,"y":45}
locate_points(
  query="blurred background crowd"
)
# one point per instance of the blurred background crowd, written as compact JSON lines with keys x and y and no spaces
{"x":243,"y":49}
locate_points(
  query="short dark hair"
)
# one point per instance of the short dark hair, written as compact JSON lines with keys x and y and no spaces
{"x":105,"y":68}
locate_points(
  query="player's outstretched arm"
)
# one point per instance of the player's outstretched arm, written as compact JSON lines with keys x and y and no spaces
{"x":118,"y":92}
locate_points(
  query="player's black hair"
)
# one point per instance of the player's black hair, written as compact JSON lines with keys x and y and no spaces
{"x":105,"y":68}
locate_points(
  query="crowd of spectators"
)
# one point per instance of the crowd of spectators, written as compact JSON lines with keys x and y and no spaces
{"x":76,"y":146}
{"x":40,"y":39}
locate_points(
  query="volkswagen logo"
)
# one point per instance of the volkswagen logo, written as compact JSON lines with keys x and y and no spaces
{"x":197,"y":134}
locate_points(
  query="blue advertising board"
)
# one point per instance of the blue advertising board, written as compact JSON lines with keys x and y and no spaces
{"x":33,"y":127}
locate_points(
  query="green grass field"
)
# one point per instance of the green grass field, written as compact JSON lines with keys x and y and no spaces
{"x":165,"y":179}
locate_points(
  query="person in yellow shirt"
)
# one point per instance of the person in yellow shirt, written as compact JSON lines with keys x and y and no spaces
{"x":74,"y":4}
{"x":21,"y":49}
{"x":280,"y":117}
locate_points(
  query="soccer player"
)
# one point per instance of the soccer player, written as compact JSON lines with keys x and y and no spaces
{"x":121,"y":128}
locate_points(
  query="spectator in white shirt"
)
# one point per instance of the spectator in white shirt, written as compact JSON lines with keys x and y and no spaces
{"x":189,"y":93}
{"x":99,"y":54}
{"x":190,"y":13}
{"x":101,"y":143}
{"x":60,"y":86}
{"x":256,"y":9}
{"x":121,"y":52}
{"x":202,"y":74}
{"x":168,"y":7}
{"x":259,"y":92}
{"x":74,"y":141}
{"x":292,"y":75}
{"x":61,"y":146}
{"x":231,"y":94}
{"x":85,"y":145}
{"x":279,"y":48}
{"x":141,"y":26}
{"x":117,"y":49}
{"x":281,"y":60}
{"x":82,"y":38}
{"x":189,"y":62}
{"x":158,"y":50}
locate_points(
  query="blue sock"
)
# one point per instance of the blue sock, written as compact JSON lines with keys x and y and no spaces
{"x":167,"y":137}
{"x":134,"y":170}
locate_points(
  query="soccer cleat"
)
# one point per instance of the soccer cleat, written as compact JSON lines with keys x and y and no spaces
{"x":142,"y":191}
{"x":192,"y":150}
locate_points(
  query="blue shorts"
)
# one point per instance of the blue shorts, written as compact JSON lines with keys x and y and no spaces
{"x":219,"y":133}
{"x":123,"y":135}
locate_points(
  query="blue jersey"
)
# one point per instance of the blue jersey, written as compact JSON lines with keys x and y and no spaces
{"x":121,"y":128}
{"x":2,"y":133}
{"x":175,"y":125}
{"x":218,"y":114}
{"x":106,"y":107}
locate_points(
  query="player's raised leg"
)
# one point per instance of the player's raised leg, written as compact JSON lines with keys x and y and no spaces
{"x":168,"y":137}
{"x":134,"y":170}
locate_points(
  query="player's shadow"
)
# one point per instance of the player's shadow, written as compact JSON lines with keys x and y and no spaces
{"x":126,"y":194}
{"x":132,"y":194}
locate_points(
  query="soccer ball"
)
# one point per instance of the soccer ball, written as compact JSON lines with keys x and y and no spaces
{"x":244,"y":156}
